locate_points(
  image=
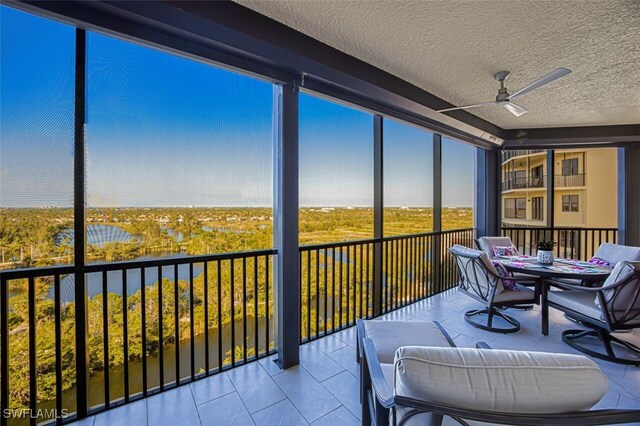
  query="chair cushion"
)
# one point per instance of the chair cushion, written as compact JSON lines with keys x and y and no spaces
{"x":614,"y":253}
{"x":488,"y":243}
{"x":621,"y":271}
{"x":505,"y":251}
{"x":576,"y":300}
{"x":388,"y":336}
{"x":499,"y":380}
{"x":521,"y":294}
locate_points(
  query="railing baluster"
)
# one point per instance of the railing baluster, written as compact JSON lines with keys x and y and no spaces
{"x":58,"y":338}
{"x":233,"y":312}
{"x":333,"y":288}
{"x":326,"y":287}
{"x":33,"y":384}
{"x":309,"y":295}
{"x":105,"y":336}
{"x":4,"y":336}
{"x":266,"y":304}
{"x":205,"y":311}
{"x":160,"y":331}
{"x":349,"y":264}
{"x":220,"y":309}
{"x":125,"y":334}
{"x":256,"y":347}
{"x":317,"y":333}
{"x":355,"y":286}
{"x":192,"y":334}
{"x":244,"y":309}
{"x":143,"y":321}
{"x":340,"y":297}
{"x":176,"y":320}
{"x":362,"y":284}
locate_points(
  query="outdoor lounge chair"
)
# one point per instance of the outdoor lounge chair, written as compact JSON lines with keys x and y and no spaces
{"x":480,"y":280}
{"x":426,"y":385}
{"x":388,"y":336}
{"x":603,"y":310}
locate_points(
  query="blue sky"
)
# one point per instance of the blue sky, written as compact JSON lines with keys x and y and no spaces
{"x":167,"y":131}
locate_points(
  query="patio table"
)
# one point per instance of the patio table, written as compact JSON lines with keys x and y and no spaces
{"x":561,"y":268}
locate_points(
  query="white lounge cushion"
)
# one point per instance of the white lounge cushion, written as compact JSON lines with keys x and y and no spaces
{"x":523,"y":294}
{"x":388,"y":336}
{"x":614,"y":253}
{"x":499,"y":380}
{"x":576,"y":300}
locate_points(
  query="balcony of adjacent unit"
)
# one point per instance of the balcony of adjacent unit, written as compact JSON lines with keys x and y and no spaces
{"x":569,"y":181}
{"x":521,"y":154}
{"x":520,"y":181}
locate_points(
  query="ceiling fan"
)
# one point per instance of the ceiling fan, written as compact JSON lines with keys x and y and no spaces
{"x":504,"y":98}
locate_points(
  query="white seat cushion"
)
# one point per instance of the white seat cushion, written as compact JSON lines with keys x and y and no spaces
{"x":523,"y":294}
{"x":388,"y":336}
{"x":499,"y":380}
{"x":576,"y":300}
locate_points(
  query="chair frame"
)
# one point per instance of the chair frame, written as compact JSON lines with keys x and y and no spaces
{"x":526,"y":307}
{"x":467,"y":271}
{"x":379,"y":396}
{"x":372,"y":412}
{"x":611,"y":321}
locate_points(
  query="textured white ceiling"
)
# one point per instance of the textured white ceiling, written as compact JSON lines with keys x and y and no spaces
{"x":452,"y":48}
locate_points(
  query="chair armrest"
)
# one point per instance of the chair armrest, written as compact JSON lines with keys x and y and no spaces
{"x":383,"y":393}
{"x":583,"y":418}
{"x":566,"y":286}
{"x":483,"y":345}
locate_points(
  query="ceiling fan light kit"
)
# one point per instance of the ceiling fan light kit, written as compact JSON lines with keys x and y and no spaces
{"x":504,"y":99}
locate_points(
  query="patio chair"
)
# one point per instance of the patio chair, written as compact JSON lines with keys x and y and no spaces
{"x":387,"y":337}
{"x":614,"y":253}
{"x":486,"y":244}
{"x":426,"y":385}
{"x":480,"y":280}
{"x":603,"y":310}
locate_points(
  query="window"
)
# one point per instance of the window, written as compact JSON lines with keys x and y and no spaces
{"x":36,"y":141}
{"x":570,"y":203}
{"x":537,"y":208}
{"x":515,"y":208}
{"x":457,"y":185}
{"x":408,"y":179}
{"x":570,"y":167}
{"x":179,"y":155}
{"x":336,"y":172}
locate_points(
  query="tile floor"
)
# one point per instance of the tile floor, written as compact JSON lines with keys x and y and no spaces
{"x":323,"y":389}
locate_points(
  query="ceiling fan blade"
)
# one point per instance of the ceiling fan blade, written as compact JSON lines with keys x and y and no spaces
{"x":468,"y":106}
{"x":552,"y":76}
{"x":514,"y":109}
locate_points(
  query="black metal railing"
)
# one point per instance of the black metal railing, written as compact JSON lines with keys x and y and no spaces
{"x":561,"y":181}
{"x":524,"y":183}
{"x":507,"y":155}
{"x":338,"y":280}
{"x":152,"y":325}
{"x":574,"y":243}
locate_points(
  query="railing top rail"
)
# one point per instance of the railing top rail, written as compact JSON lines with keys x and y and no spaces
{"x":555,"y":228}
{"x":310,"y":247}
{"x":378,"y":240}
{"x":14,"y":274}
{"x":17,"y":274}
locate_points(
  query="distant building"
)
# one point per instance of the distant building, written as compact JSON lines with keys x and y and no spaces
{"x":585,"y":188}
